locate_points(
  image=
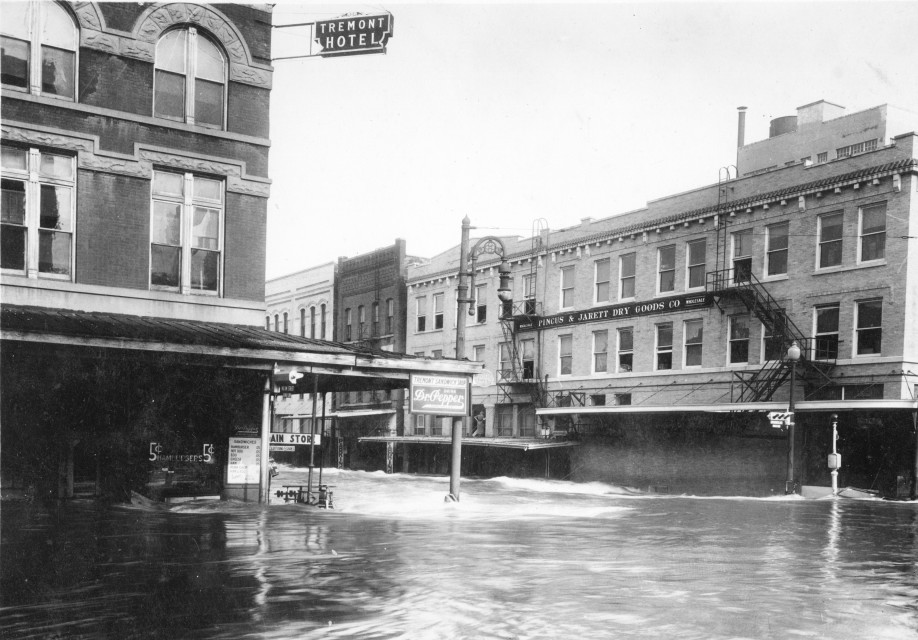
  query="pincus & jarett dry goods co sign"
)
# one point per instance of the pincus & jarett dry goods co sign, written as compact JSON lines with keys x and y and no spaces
{"x":439,"y":395}
{"x":354,"y":34}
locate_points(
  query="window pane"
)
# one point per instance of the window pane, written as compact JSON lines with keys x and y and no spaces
{"x":59,"y":30}
{"x":165,"y":265}
{"x":664,"y":336}
{"x":873,"y":247}
{"x":12,"y":209}
{"x":693,"y":355}
{"x":742,"y":244}
{"x":210,"y":61}
{"x":602,"y":270}
{"x":827,"y":320}
{"x":831,"y":227}
{"x":627,"y":265}
{"x":166,"y":223}
{"x":56,"y":166}
{"x":696,"y":276}
{"x":12,"y":247}
{"x":168,"y":184}
{"x":830,"y":254}
{"x":57,"y":71}
{"x":874,"y":220}
{"x":777,"y":262}
{"x":205,"y":230}
{"x":602,"y":292}
{"x":667,"y":281}
{"x":697,"y":252}
{"x":869,"y":314}
{"x":668,"y":258}
{"x":170,"y":96}
{"x":208,"y":103}
{"x":14,"y":61}
{"x":628,"y":288}
{"x":55,"y":208}
{"x":170,"y":51}
{"x":54,"y":252}
{"x":16,"y":159}
{"x":601,"y":341}
{"x":625,"y":340}
{"x":204,"y":270}
{"x":739,"y":328}
{"x":777,"y":237}
{"x":16,"y":20}
{"x":208,"y":189}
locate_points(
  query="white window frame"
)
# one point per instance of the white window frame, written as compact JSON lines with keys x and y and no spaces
{"x":504,"y":362}
{"x":420,"y":305}
{"x":32,"y":181}
{"x":348,"y":325}
{"x":189,"y":75}
{"x":731,"y":339}
{"x":769,"y":251}
{"x":567,"y":338}
{"x":662,"y":349}
{"x":688,"y":346}
{"x":438,"y":301}
{"x":478,"y":352}
{"x":817,"y":334}
{"x":861,"y":236}
{"x":604,"y":354}
{"x":689,"y":265}
{"x":390,"y":315}
{"x":820,"y":242}
{"x":361,"y":321}
{"x":566,"y":279}
{"x":598,"y":284}
{"x":670,"y":270}
{"x":858,"y":329}
{"x":481,"y":303}
{"x":188,"y":203}
{"x":37,"y":16}
{"x":529,"y":293}
{"x":527,"y":345}
{"x":619,"y":351}
{"x":734,"y":256}
{"x":622,"y":277}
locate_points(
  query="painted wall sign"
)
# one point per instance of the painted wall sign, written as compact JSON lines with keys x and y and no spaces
{"x":294,"y":438}
{"x":615,"y":312}
{"x":439,"y":395}
{"x":244,"y":464}
{"x":157,"y":454}
{"x":354,"y":34}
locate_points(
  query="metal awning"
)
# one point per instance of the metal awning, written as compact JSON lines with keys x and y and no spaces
{"x":726,"y":407}
{"x":327,"y":366}
{"x":525,"y":444}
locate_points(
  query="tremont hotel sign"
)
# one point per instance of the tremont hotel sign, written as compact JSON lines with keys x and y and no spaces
{"x":615,"y":312}
{"x":353,"y":34}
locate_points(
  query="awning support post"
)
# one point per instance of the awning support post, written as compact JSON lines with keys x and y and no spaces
{"x":266,"y":415}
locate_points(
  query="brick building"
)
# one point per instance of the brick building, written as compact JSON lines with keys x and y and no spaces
{"x":657,"y":339}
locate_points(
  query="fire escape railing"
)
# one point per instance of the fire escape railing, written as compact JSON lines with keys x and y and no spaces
{"x":742,"y":285}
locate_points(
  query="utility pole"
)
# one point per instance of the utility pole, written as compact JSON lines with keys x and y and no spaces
{"x":460,"y":426}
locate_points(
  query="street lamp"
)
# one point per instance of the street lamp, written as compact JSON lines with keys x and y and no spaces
{"x":793,"y":354}
{"x":834,"y":457}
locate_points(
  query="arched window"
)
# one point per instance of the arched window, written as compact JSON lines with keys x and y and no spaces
{"x":190,"y":81}
{"x":285,"y":322}
{"x":268,"y":323}
{"x":322,"y":310}
{"x":39,"y":47}
{"x":312,"y":322}
{"x":375,"y":318}
{"x":303,"y":323}
{"x":276,"y":322}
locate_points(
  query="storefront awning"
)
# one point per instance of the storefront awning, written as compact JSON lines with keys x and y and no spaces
{"x":802,"y":405}
{"x":327,"y":366}
{"x":526,"y":444}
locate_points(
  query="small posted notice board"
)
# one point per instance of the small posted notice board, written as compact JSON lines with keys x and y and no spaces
{"x":244,"y":461}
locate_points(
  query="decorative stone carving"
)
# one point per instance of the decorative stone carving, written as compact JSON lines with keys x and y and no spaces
{"x":250,"y":75}
{"x":248,"y":187}
{"x":33,"y":137}
{"x":100,"y":41}
{"x":113,"y":165}
{"x":88,"y":15}
{"x":234,"y":180}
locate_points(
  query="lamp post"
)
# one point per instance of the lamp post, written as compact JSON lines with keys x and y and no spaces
{"x":834,"y":458}
{"x":793,"y":354}
{"x":466,"y":287}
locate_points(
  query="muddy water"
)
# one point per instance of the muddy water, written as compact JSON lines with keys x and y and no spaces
{"x":514,"y":559}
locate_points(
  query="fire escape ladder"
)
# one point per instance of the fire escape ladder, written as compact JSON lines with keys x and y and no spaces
{"x":761,"y":385}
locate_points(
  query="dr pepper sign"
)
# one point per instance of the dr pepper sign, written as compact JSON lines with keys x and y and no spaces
{"x":440,"y":395}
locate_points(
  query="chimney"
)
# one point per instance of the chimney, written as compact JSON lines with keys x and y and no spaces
{"x":741,"y":127}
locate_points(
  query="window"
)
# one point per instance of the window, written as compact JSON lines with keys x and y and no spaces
{"x":504,"y":420}
{"x":567,"y":287}
{"x":478,"y":353}
{"x":438,"y":310}
{"x":37,"y":213}
{"x":422,"y":314}
{"x":827,"y":332}
{"x":526,"y":416}
{"x":869,"y":323}
{"x":286,"y":325}
{"x":776,"y":249}
{"x":774,"y":346}
{"x":822,"y":157}
{"x":830,"y":239}
{"x":186,"y":232}
{"x":190,"y":80}
{"x":527,"y":351}
{"x":854,"y":149}
{"x":742,"y":255}
{"x":664,"y":347}
{"x":361,"y":322}
{"x":529,"y":285}
{"x":603,"y":270}
{"x":348,"y":321}
{"x":312,"y":322}
{"x":504,"y":362}
{"x":267,"y":323}
{"x":39,"y":47}
{"x":695,"y":256}
{"x":693,"y":335}
{"x":600,"y":351}
{"x":872,"y":233}
{"x":302,"y":323}
{"x":437,"y":353}
{"x":322,"y":312}
{"x":481,"y":303}
{"x":625,"y":349}
{"x":375,"y":318}
{"x":419,"y":424}
{"x":390,"y":315}
{"x":566,"y":354}
{"x":276,"y":322}
{"x":626,"y":265}
{"x":666,"y":266}
{"x":739,"y":339}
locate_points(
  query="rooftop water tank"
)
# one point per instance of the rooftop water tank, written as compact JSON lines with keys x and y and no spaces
{"x":784,"y":124}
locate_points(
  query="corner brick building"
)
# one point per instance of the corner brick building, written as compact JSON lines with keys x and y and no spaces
{"x":657,"y":340}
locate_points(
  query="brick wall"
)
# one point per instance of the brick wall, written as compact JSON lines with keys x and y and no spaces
{"x":116,"y":82}
{"x":244,"y":262}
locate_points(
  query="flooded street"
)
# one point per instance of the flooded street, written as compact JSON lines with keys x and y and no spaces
{"x":514,"y":559}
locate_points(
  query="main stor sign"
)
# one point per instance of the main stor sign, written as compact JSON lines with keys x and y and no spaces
{"x":354,"y":34}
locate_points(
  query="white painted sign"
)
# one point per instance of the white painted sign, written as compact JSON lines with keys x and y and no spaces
{"x":483,"y":378}
{"x":295,"y":438}
{"x":282,"y":447}
{"x":244,"y":464}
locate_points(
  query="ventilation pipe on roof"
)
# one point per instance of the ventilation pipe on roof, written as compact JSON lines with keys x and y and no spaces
{"x":741,"y":127}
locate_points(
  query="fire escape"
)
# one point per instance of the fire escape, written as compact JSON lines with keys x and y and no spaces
{"x":732,"y":280}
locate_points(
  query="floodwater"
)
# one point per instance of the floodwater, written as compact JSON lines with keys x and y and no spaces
{"x":514,"y":559}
